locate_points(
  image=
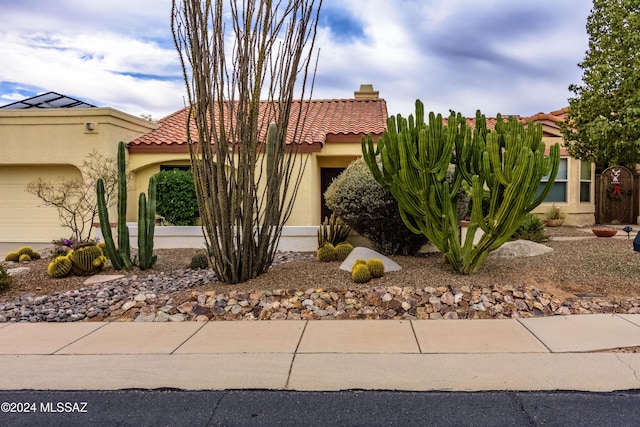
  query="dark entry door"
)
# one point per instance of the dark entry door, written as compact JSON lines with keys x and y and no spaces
{"x":616,"y":196}
{"x":326,"y":176}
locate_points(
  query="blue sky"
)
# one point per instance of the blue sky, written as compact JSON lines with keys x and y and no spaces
{"x":504,"y":56}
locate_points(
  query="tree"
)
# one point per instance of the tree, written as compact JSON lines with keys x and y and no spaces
{"x":245,"y":181}
{"x":603,"y":122}
{"x":75,"y":199}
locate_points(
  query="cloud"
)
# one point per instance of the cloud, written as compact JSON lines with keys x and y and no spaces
{"x":496,"y":55}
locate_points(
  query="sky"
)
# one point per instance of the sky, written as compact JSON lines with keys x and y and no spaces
{"x":499,"y":56}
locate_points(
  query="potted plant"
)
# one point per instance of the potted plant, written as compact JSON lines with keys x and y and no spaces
{"x":554,"y":216}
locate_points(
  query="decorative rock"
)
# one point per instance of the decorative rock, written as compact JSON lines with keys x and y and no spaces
{"x":366,"y":253}
{"x":520,"y":248}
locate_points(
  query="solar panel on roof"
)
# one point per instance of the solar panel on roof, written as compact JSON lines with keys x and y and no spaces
{"x":47,"y":100}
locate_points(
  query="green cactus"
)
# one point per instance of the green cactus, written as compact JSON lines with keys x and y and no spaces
{"x":24,"y":258}
{"x":376,"y":267}
{"x":507,"y":165}
{"x":86,"y":259}
{"x":360,"y":273}
{"x":121,"y":256}
{"x":59,"y":267}
{"x":199,"y":260}
{"x":12,"y":256}
{"x":333,"y":230}
{"x":5,"y":279}
{"x":343,"y":250}
{"x":25,"y":250}
{"x":359,"y":261}
{"x":146,"y":226}
{"x":326,"y":252}
{"x":35,"y":255}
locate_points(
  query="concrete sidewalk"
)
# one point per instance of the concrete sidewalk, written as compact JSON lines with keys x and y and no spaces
{"x":550,"y":353}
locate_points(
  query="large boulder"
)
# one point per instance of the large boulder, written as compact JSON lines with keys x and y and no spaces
{"x":520,"y":248}
{"x":366,"y":253}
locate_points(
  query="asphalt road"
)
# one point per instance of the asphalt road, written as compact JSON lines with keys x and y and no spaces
{"x":289,"y":408}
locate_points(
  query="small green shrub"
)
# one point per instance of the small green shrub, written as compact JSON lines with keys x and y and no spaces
{"x":532,"y":228}
{"x":5,"y":279}
{"x":370,"y":210}
{"x":176,"y":197}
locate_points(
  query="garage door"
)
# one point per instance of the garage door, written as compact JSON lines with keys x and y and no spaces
{"x":23,"y":218}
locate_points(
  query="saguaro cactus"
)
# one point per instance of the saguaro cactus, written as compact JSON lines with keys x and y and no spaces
{"x":506,"y":165}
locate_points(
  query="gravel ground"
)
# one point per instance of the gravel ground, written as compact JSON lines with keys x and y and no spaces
{"x":603,"y":266}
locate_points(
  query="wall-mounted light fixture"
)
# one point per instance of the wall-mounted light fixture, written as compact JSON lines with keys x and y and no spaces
{"x":88,"y":126}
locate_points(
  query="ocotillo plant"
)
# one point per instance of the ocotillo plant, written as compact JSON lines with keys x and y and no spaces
{"x":146,"y":226}
{"x":120,"y":257}
{"x":507,"y":165}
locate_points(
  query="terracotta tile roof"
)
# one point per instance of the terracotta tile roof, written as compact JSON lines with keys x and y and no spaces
{"x":333,"y":120}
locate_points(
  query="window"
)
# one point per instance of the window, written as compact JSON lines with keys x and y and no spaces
{"x":585,"y":182}
{"x":172,"y":167}
{"x":558,"y":191}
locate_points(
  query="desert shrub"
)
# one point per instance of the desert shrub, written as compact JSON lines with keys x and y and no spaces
{"x":370,"y":210}
{"x":5,"y":279}
{"x":532,"y":228}
{"x":176,"y":197}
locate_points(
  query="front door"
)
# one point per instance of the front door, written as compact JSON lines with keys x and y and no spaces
{"x":326,"y":176}
{"x":616,"y":196}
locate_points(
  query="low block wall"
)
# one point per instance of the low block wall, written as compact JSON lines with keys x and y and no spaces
{"x":296,"y":239}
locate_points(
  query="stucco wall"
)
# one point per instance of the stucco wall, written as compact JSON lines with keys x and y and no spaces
{"x":41,"y":143}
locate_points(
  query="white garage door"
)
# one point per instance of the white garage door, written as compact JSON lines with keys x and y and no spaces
{"x":23,"y":218}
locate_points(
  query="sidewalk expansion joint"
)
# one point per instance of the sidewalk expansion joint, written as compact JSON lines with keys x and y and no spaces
{"x":188,"y":338}
{"x":76,"y":340}
{"x":535,"y":336}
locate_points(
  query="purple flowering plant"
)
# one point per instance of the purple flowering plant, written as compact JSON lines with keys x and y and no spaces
{"x":62,"y":246}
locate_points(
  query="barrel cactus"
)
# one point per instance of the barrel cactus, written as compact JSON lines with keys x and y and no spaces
{"x":376,"y":267}
{"x":35,"y":255}
{"x":59,"y":267}
{"x":24,"y":258}
{"x":360,"y":273}
{"x":343,"y":250}
{"x":199,"y":260}
{"x":326,"y":252}
{"x":12,"y":256}
{"x":87,"y":259}
{"x":25,"y":250}
{"x":359,"y":261}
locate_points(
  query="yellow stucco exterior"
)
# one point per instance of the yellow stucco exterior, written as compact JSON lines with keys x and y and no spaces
{"x":51,"y":143}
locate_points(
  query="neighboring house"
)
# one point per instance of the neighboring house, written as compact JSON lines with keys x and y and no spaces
{"x":47,"y":137}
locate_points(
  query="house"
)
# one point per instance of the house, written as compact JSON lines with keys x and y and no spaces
{"x":49,"y":137}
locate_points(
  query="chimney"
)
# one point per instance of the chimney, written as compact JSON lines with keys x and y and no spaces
{"x":366,"y":92}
